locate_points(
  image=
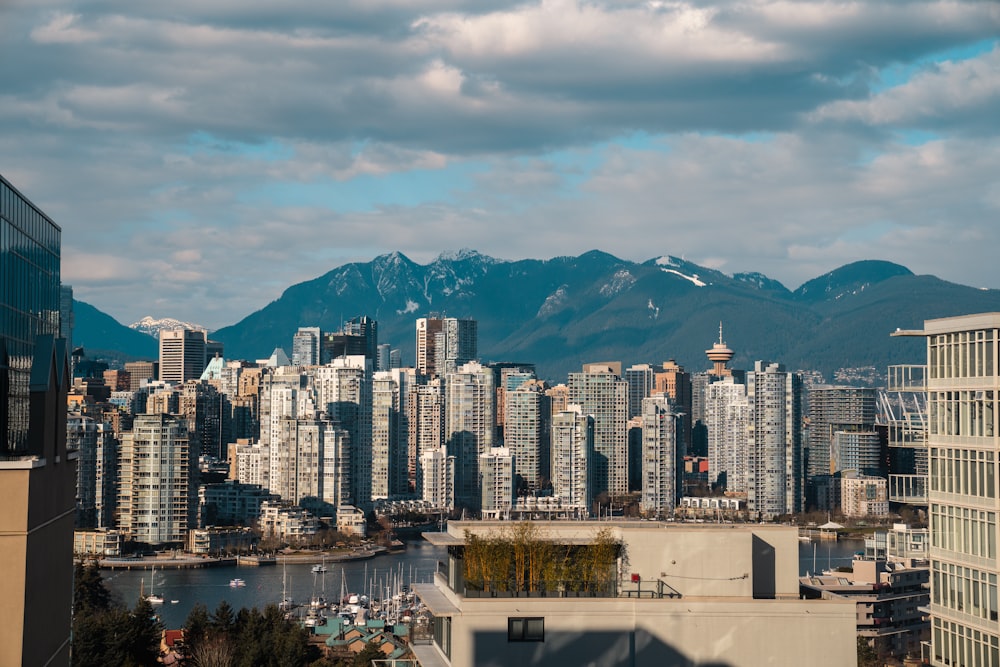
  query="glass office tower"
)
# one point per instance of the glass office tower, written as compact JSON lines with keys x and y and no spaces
{"x":37,"y":472}
{"x":29,"y":306}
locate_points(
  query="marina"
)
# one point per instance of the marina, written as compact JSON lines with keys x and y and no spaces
{"x":292,"y":580}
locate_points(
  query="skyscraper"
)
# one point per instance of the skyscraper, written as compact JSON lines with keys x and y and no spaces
{"x":775,"y":446}
{"x":963,"y":388}
{"x":572,"y":453}
{"x":182,"y":355}
{"x":161,"y":512}
{"x":833,"y":410}
{"x":390,"y":391}
{"x":600,"y":392}
{"x":728,"y":418}
{"x":426,"y":424}
{"x":470,"y":427}
{"x":526,"y":431}
{"x":37,"y":473}
{"x":305,"y":346}
{"x":660,"y":431}
{"x":444,"y":344}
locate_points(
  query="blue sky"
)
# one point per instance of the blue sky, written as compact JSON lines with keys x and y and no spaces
{"x":186,"y":146}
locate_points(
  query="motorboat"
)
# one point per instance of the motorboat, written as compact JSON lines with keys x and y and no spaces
{"x":237,"y":583}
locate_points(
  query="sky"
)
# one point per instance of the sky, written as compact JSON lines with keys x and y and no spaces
{"x":201,"y":157}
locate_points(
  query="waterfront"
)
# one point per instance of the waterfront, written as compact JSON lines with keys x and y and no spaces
{"x":819,"y":555}
{"x":264,"y":584}
{"x":210,"y":586}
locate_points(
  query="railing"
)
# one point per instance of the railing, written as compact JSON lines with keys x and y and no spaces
{"x":908,"y":489}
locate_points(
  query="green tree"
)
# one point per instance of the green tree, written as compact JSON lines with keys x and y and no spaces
{"x":867,"y":657}
{"x":196,"y":628}
{"x":90,"y":595}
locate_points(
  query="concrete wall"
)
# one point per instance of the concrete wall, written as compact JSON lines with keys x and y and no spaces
{"x":652,"y":633}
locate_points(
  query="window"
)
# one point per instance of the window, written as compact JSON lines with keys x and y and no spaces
{"x":525,"y":629}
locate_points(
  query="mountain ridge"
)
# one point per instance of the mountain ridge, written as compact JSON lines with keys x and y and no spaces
{"x":562,"y":312}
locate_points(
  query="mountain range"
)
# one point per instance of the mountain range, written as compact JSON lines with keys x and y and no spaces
{"x":563,"y":312}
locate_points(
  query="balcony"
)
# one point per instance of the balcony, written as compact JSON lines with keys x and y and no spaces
{"x":910,"y":489}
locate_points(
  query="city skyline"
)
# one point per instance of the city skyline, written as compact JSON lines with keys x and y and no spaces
{"x":184,"y":149}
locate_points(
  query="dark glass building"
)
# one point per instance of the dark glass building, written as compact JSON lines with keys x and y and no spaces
{"x":29,"y":306}
{"x":37,"y":472}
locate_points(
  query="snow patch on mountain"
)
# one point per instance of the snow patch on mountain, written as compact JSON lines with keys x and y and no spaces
{"x":553,"y":302}
{"x":654,"y":310}
{"x":152,"y":326}
{"x":621,"y":281}
{"x":411,"y":307}
{"x":694,"y":279}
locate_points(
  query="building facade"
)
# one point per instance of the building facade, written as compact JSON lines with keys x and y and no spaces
{"x":963,"y":440}
{"x":37,"y":472}
{"x":182,"y":355}
{"x":600,"y":392}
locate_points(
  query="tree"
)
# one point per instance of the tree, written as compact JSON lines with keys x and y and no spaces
{"x":222,"y":620}
{"x":196,"y":628}
{"x":90,"y":595}
{"x":867,"y":657}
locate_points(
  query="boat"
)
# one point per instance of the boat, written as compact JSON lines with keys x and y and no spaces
{"x":286,"y":602}
{"x":152,"y":598}
{"x":174,"y":601}
{"x":236,"y":583}
{"x":320,"y":567}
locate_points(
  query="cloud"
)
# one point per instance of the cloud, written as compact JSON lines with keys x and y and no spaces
{"x":186,"y":146}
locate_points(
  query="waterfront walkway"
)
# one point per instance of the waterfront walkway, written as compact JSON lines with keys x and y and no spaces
{"x":181,"y":561}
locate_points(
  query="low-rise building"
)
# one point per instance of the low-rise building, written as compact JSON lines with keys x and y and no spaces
{"x":231,"y":503}
{"x":890,"y":600}
{"x":652,"y":594}
{"x":351,"y":521}
{"x":286,"y":522}
{"x":219,"y":539}
{"x":864,"y":496}
{"x":99,"y":543}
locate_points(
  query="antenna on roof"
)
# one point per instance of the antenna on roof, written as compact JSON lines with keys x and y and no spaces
{"x":720,"y":331}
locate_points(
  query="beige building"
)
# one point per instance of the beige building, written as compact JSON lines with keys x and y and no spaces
{"x":864,"y":496}
{"x":963,"y":441}
{"x":677,"y":595}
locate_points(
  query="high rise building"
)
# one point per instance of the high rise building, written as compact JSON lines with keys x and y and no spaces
{"x":775,"y":445}
{"x":572,"y":453}
{"x":963,"y":439}
{"x":660,"y":435}
{"x":140,"y":373}
{"x":497,"y":474}
{"x":97,"y":470}
{"x":182,"y":355}
{"x":833,"y":410}
{"x":526,"y":430}
{"x":728,"y":418}
{"x":425,"y":410}
{"x":675,"y":382}
{"x":641,"y":379}
{"x":37,"y":472}
{"x":161,"y":512}
{"x":390,"y":433}
{"x":437,"y":479}
{"x":306,"y":346}
{"x":600,"y":392}
{"x":469,"y":427}
{"x":344,"y":390}
{"x":444,"y":344}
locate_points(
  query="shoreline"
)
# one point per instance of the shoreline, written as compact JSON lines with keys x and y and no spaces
{"x":191,"y":561}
